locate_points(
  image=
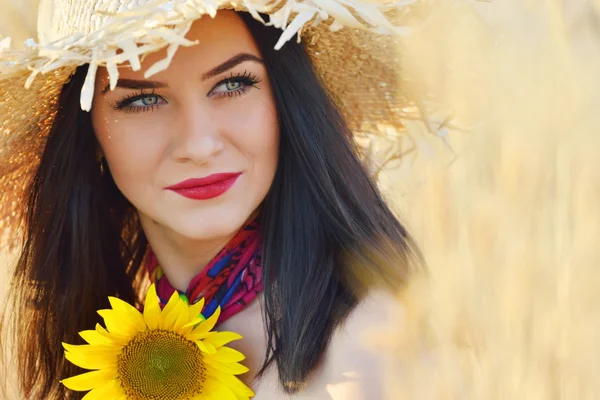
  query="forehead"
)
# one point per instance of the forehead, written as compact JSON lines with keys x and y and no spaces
{"x":218,"y":39}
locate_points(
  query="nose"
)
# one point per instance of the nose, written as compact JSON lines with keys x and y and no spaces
{"x":196,"y":135}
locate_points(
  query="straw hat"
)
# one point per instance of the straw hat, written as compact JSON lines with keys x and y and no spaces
{"x":355,"y":35}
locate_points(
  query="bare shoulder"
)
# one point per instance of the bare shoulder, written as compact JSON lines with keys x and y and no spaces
{"x":357,"y":357}
{"x":376,"y":309}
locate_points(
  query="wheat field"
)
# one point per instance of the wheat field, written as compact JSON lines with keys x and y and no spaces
{"x":509,"y":218}
{"x":505,"y":204}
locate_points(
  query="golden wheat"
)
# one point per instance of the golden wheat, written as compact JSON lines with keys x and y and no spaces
{"x":510,"y":229}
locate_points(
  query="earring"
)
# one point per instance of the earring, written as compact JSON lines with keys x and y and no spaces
{"x":102,"y":167}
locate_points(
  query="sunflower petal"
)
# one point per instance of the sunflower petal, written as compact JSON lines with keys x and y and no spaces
{"x":82,"y":348}
{"x":197,"y":336}
{"x":102,"y":330}
{"x":95,"y":338}
{"x":94,"y":358}
{"x":171,"y":315}
{"x":219,"y":339}
{"x":99,"y":361}
{"x":152,"y":308}
{"x":117,"y":322}
{"x":209,"y":324}
{"x":194,"y":322}
{"x":171,"y":304}
{"x":117,"y":339}
{"x":194,"y":317}
{"x":233,"y":382}
{"x":216,"y":390}
{"x":109,"y":390}
{"x":135,"y":318}
{"x":228,"y":368}
{"x":182,"y":320}
{"x":196,"y":309}
{"x":206,"y":347}
{"x":226,"y":355}
{"x":89,"y":380}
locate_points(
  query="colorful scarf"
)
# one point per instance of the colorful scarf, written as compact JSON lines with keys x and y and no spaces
{"x":231,"y":280}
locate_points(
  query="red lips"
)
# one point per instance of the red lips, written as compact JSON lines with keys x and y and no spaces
{"x":205,"y":188}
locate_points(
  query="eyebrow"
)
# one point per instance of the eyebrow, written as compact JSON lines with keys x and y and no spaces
{"x":232,"y":62}
{"x":219,"y":69}
{"x":136,"y":84}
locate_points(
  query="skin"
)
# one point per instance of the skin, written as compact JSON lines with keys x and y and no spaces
{"x":185,"y":132}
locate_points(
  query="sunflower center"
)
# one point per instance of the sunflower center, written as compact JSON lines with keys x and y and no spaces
{"x":161,"y":365}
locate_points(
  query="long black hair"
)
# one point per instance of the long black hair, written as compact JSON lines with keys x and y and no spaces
{"x":328,"y":234}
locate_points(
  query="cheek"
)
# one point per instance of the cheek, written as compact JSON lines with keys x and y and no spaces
{"x":255,"y":134}
{"x":125,"y":142}
{"x":261,"y":155}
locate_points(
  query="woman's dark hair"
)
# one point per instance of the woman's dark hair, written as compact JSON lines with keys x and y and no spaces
{"x":328,"y":234}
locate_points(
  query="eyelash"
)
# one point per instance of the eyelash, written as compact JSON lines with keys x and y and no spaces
{"x":247,"y":79}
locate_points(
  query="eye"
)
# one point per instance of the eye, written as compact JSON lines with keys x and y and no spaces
{"x":140,"y":102}
{"x":146,"y":100}
{"x":234,"y":85}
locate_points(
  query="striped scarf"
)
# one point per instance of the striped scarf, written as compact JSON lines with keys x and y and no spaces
{"x":231,"y":280}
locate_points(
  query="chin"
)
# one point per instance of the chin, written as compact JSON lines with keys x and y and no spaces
{"x":206,"y":227}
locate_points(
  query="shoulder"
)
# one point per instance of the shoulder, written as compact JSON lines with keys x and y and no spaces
{"x":358,"y":357}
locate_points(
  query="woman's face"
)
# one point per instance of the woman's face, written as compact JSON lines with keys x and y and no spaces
{"x":193,"y":148}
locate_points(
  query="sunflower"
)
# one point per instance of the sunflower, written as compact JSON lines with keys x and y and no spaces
{"x":169,"y":354}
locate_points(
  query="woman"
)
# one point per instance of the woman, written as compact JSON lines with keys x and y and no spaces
{"x":234,"y":142}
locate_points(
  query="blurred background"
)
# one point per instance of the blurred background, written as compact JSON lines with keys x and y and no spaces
{"x":507,"y":214}
{"x":504,"y":200}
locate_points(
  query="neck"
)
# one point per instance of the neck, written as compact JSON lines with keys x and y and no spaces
{"x":181,"y":258}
